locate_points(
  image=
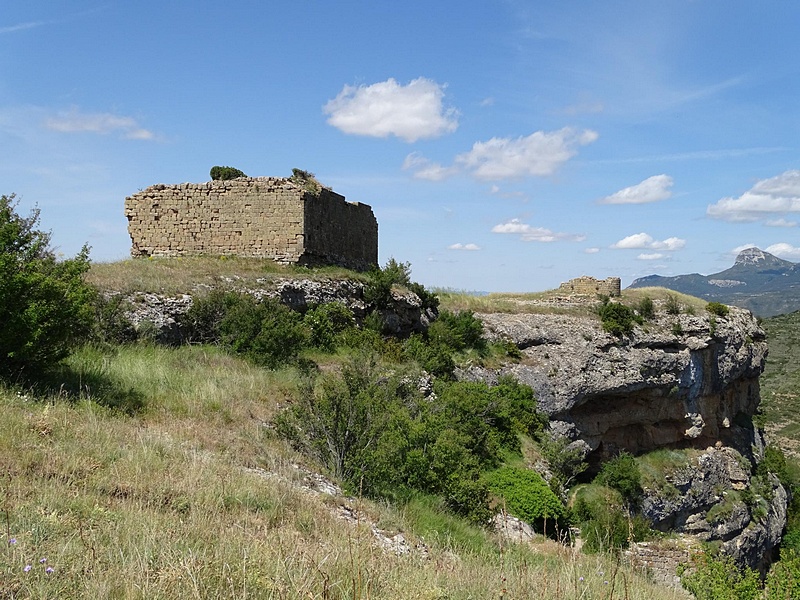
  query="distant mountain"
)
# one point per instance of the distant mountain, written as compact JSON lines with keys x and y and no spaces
{"x":763,"y":283}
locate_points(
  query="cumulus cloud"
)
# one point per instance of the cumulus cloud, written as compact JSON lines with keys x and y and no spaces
{"x":529,"y":233}
{"x":74,"y":121}
{"x":426,"y":169}
{"x":592,"y":250}
{"x":639,"y":241}
{"x":540,"y":154}
{"x":779,"y":194}
{"x":460,"y":246}
{"x":785,"y":251}
{"x":651,"y":256}
{"x":652,"y":189}
{"x":409,"y":112}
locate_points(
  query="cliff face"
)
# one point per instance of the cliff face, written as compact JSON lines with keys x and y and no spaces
{"x":679,"y":381}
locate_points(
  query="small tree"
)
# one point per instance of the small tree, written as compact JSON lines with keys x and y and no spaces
{"x":45,"y":306}
{"x":225,"y":173}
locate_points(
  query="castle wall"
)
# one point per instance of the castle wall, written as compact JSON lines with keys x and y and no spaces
{"x":589,"y":286}
{"x":263,"y":217}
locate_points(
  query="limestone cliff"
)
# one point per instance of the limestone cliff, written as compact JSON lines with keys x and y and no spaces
{"x":678,"y":381}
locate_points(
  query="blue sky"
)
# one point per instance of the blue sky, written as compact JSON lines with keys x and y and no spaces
{"x":504,"y":145}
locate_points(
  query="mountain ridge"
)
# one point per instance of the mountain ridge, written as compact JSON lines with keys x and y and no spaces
{"x":758,"y":281}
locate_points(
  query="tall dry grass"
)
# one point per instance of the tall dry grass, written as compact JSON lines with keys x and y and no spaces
{"x":163,"y":502}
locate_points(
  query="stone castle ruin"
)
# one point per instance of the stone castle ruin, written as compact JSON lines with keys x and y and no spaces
{"x":589,"y":286}
{"x":264,"y":217}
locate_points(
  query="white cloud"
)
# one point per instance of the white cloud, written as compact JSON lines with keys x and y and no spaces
{"x":74,"y":121}
{"x":593,"y":250}
{"x":411,"y":112}
{"x":460,"y":246}
{"x":779,"y":194}
{"x":780,"y":223}
{"x":652,"y":189}
{"x":785,"y":251}
{"x":426,"y":169}
{"x":738,"y":249}
{"x":651,"y":256}
{"x":645,"y":241}
{"x":540,"y":153}
{"x":21,"y":26}
{"x":528,"y":233}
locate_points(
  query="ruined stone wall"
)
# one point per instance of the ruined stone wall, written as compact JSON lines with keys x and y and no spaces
{"x":262,"y":217}
{"x":589,"y":286}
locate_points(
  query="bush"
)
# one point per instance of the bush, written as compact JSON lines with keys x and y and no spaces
{"x":225,"y":173}
{"x":718,"y":309}
{"x":379,"y":434}
{"x":378,"y":291}
{"x":672,"y":306}
{"x":458,"y":331}
{"x":622,"y":474}
{"x":45,"y":306}
{"x":646,"y":308}
{"x":266,"y":332}
{"x":328,"y":323}
{"x":605,"y":524}
{"x":783,"y":579}
{"x":528,"y":497}
{"x":721,"y":579}
{"x":618,"y":319}
{"x":111,"y":324}
{"x":436,"y":358}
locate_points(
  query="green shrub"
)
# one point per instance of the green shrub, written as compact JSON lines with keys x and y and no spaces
{"x":646,"y":308}
{"x":565,"y":462}
{"x":266,"y":332}
{"x":528,"y":497}
{"x":376,"y":431}
{"x":435,"y":357}
{"x":225,"y":173}
{"x":111,"y":324}
{"x":327,"y":323}
{"x":622,"y":474}
{"x":719,"y":578}
{"x":718,"y":309}
{"x":672,"y":305}
{"x":783,"y":579}
{"x":458,"y":331}
{"x":618,"y":319}
{"x":45,"y":307}
{"x":604,"y":522}
{"x":201,"y":322}
{"x":378,"y":290}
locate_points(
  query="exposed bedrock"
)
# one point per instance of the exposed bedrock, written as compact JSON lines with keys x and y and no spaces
{"x":656,"y":388}
{"x":679,"y":381}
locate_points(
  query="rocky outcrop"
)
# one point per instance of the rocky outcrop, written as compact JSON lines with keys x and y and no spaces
{"x":678,"y":381}
{"x":161,"y":315}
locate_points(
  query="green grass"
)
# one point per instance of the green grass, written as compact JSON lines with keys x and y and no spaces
{"x":183,"y":274}
{"x":162,"y":500}
{"x":780,"y":383}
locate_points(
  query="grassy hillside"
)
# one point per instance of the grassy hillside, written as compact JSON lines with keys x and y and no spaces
{"x":780,"y":384}
{"x":186,"y":493}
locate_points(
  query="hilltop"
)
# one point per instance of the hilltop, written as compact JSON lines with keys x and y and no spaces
{"x":758,"y":281}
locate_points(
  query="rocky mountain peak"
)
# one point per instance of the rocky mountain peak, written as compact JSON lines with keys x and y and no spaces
{"x":751,"y":256}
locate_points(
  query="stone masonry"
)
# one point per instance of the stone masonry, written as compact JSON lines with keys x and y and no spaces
{"x":589,"y":286}
{"x":266,"y":217}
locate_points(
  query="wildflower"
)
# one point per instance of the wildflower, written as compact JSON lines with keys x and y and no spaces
{"x":580,"y":579}
{"x":26,"y":568}
{"x":49,"y":570}
{"x":12,"y":541}
{"x":42,"y":561}
{"x":605,"y":583}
